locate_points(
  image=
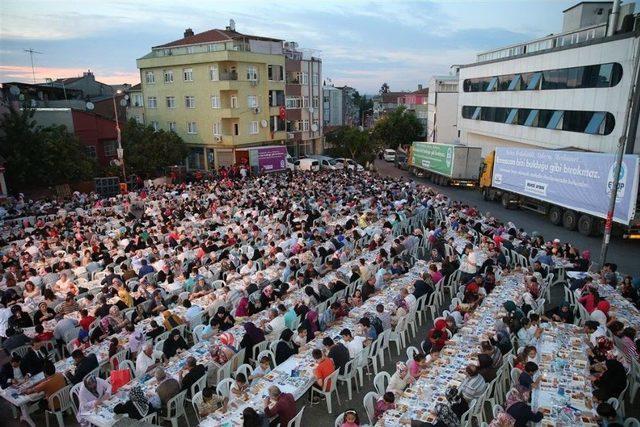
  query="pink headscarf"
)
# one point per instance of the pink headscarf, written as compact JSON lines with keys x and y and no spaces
{"x":586,"y":255}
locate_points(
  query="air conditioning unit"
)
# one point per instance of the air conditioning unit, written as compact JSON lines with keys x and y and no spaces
{"x":218,"y":138}
{"x":290,"y":136}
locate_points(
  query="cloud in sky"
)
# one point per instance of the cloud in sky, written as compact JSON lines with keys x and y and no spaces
{"x":361,"y":42}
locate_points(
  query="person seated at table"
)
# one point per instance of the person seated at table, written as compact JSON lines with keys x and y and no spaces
{"x":12,"y":373}
{"x":252,"y":418}
{"x":240,"y":387}
{"x":171,"y":320}
{"x":93,"y":392}
{"x":601,"y":313}
{"x":211,"y":401}
{"x":563,"y":313}
{"x":53,"y":381}
{"x":436,"y":337}
{"x":125,"y":298}
{"x":173,"y":345}
{"x":43,"y":314}
{"x":30,"y":290}
{"x":383,"y":404}
{"x":485,"y":367}
{"x":103,"y":307}
{"x":252,"y":336}
{"x":590,"y":300}
{"x":166,"y":390}
{"x":517,"y":406}
{"x":194,"y":371}
{"x":157,"y":304}
{"x":116,"y":319}
{"x":417,"y":364}
{"x":19,"y":319}
{"x":285,"y":347}
{"x":526,"y":376}
{"x":281,"y":405}
{"x":529,"y":333}
{"x":493,"y":352}
{"x":368,"y":331}
{"x":356,"y":299}
{"x":83,"y":365}
{"x":608,"y":415}
{"x":155,"y":330}
{"x":136,"y":407}
{"x":263,"y":368}
{"x":323,"y":369}
{"x":525,"y":354}
{"x":612,"y":381}
{"x":594,"y":330}
{"x":400,"y":379}
{"x":69,"y":305}
{"x":473,"y":384}
{"x":15,"y":338}
{"x":147,"y":359}
{"x":82,"y":340}
{"x":42,"y":335}
{"x":223,"y":320}
{"x":64,"y":285}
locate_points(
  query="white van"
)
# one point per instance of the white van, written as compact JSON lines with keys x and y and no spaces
{"x":340,"y":162}
{"x":326,"y":162}
{"x":290,"y":163}
{"x":389,"y":155}
{"x":307,"y":165}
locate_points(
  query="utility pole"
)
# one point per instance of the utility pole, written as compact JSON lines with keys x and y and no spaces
{"x":33,"y":69}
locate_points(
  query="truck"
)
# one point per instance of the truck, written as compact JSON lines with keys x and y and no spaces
{"x":571,"y":187}
{"x":446,"y":164}
{"x":270,"y":158}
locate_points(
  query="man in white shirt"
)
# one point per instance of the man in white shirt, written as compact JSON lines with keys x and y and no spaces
{"x":353,"y":344}
{"x":276,"y":323}
{"x":468,"y":263}
{"x":146,"y":360}
{"x":595,"y":330}
{"x":409,"y":298}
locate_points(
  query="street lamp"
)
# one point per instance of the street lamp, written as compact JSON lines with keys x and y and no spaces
{"x":120,"y":151}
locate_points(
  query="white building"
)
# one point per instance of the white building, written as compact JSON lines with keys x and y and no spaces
{"x":442,"y":109}
{"x":332,"y":106}
{"x":563,"y":91}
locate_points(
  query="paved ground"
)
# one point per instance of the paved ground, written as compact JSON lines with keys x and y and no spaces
{"x":623,"y":252}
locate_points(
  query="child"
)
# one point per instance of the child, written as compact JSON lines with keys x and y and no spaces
{"x":239,"y":387}
{"x":351,"y":419}
{"x":41,"y":335}
{"x":261,"y":370}
{"x":210,"y":402}
{"x":383,"y":404}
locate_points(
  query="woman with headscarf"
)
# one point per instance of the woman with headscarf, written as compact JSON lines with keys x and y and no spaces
{"x":517,"y":406}
{"x":116,"y":319}
{"x":93,"y":392}
{"x":137,"y":407}
{"x":224,"y":349}
{"x":502,"y":337}
{"x":486,"y":369}
{"x":502,"y":420}
{"x":612,"y":381}
{"x":515,"y":316}
{"x":223,"y":320}
{"x":286,"y":347}
{"x":436,"y":337}
{"x":174,"y":344}
{"x":601,"y":313}
{"x":252,"y":336}
{"x":242,"y":310}
{"x":400,"y":379}
{"x":171,"y":320}
{"x":267,"y":296}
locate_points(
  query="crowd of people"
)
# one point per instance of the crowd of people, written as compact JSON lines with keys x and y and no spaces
{"x":227,"y":253}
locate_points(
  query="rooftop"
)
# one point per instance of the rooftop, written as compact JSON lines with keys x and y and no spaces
{"x":584,"y":2}
{"x":212,"y":36}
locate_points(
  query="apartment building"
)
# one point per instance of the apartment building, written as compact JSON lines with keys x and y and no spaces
{"x":416,"y":102}
{"x":332,"y":106}
{"x":303,"y":99}
{"x":442,"y":109}
{"x":219,"y":90}
{"x":135,"y":108}
{"x":562,"y":91}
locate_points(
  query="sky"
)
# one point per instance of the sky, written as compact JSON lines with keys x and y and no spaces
{"x":362,"y":43}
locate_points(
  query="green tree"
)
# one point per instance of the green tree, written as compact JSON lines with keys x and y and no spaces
{"x":400,"y":127}
{"x":352,"y":143}
{"x":384,"y":88}
{"x":147,"y":152}
{"x":38,"y":156}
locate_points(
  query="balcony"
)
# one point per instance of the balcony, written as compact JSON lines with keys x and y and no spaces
{"x":228,"y":76}
{"x":226,"y":113}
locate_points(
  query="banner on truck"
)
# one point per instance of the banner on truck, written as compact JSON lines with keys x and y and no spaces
{"x":434,"y":157}
{"x":573,"y":179}
{"x":272,"y":158}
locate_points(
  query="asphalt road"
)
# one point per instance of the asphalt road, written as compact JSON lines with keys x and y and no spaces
{"x":625,"y":253}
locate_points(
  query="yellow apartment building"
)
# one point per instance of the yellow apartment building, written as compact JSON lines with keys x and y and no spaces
{"x":219,"y":90}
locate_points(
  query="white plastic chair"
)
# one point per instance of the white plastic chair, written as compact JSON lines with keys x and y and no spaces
{"x":63,"y":397}
{"x":197,"y":333}
{"x":369,"y":403}
{"x":75,"y":398}
{"x":328,"y":390}
{"x":411,"y":351}
{"x":631,"y":422}
{"x":244,"y":369}
{"x":381,"y":381}
{"x":614,"y":402}
{"x":297,"y":420}
{"x":176,"y":409}
{"x":348,"y":376}
{"x":152,"y":419}
{"x":196,"y":401}
{"x":398,"y":335}
{"x":224,"y":387}
{"x":267,"y":353}
{"x":339,"y":420}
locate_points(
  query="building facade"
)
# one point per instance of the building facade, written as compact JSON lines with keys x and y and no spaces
{"x":218,"y":90}
{"x":442,"y":109}
{"x":303,"y":91}
{"x":88,"y":84}
{"x":350,"y":111}
{"x":135,"y":107}
{"x":332,"y":106}
{"x":563,"y":91}
{"x":416,"y":102}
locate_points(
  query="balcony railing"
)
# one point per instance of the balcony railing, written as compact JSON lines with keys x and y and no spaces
{"x":228,"y":76}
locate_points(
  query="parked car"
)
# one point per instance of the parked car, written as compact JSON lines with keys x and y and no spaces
{"x":326,"y":162}
{"x":340,"y":161}
{"x":307,"y":165}
{"x":389,"y":155}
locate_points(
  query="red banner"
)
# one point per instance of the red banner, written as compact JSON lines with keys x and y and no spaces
{"x":283,"y":113}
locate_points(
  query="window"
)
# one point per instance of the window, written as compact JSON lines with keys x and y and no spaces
{"x":305,"y":125}
{"x":314,"y":79}
{"x":305,"y":102}
{"x":253,"y":128}
{"x":215,"y":102}
{"x":588,"y":76}
{"x":276,"y":98}
{"x":274,"y":73}
{"x":152,"y":102}
{"x":234,"y":102}
{"x":139,"y":119}
{"x":252,"y":101}
{"x":252,"y":73}
{"x":150,"y":77}
{"x":155,"y":125}
{"x":236,"y":129}
{"x":110,"y":148}
{"x":315,"y":102}
{"x":190,"y":49}
{"x":591,"y":122}
{"x":190,"y":101}
{"x":192,"y":128}
{"x":90,"y":151}
{"x":304,"y":79}
{"x":173,"y":127}
{"x":171,"y":102}
{"x":168,"y":76}
{"x":214,"y":75}
{"x":137,"y":100}
{"x":293,"y":102}
{"x":216,"y":129}
{"x":187,"y":74}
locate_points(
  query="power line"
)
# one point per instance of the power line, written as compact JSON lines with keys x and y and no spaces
{"x":33,"y":69}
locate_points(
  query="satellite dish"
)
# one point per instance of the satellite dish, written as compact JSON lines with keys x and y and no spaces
{"x":21,"y":97}
{"x":14,"y":90}
{"x":314,"y":127}
{"x":264,"y":123}
{"x":90,"y":106}
{"x":123,"y":102}
{"x":311,"y":110}
{"x":114,"y":162}
{"x":126,"y":97}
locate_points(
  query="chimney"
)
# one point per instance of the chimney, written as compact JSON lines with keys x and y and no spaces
{"x":188,"y":33}
{"x":419,"y":87}
{"x":88,"y":74}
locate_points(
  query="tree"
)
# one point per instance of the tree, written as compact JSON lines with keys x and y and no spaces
{"x":352,"y":143}
{"x":37,"y":156}
{"x":400,"y":127}
{"x":384,"y":88}
{"x":147,"y":152}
